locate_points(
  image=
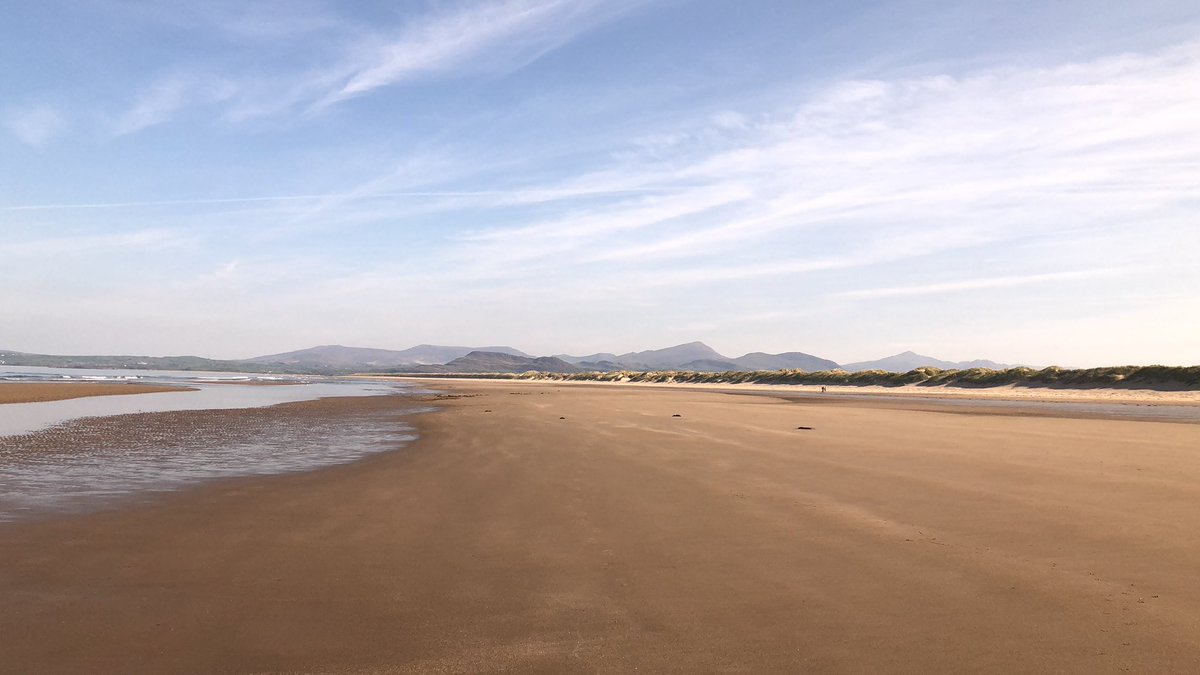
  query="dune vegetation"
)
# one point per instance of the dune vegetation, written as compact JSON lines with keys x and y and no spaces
{"x":1123,"y":377}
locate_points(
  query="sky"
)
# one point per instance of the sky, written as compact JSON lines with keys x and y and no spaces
{"x":1017,"y":181}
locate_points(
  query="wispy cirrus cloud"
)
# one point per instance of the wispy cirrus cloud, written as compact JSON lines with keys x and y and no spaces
{"x":484,"y":37}
{"x":353,"y":60}
{"x":1002,"y":155}
{"x":339,"y":197}
{"x":169,"y":97}
{"x":236,"y":21}
{"x":979,"y":284}
{"x":844,"y":178}
{"x":89,"y":245}
{"x":35,"y":125}
{"x":861,"y":175}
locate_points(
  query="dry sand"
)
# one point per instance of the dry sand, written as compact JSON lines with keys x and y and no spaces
{"x":1007,"y":392}
{"x":36,"y":392}
{"x":543,"y":528}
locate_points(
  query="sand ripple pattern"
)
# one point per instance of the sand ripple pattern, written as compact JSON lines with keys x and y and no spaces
{"x":86,"y":463}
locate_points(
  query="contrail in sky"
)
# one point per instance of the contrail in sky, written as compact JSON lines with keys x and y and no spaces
{"x":375,"y":195}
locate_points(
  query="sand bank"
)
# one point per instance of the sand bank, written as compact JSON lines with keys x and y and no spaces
{"x":544,"y":528}
{"x":36,"y":392}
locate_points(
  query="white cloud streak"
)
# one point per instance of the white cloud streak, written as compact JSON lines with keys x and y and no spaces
{"x":341,"y":197}
{"x":35,"y":125}
{"x":977,"y":284}
{"x":90,"y":245}
{"x":1002,"y":156}
{"x":259,"y":21}
{"x":480,"y":37}
{"x":163,"y":101}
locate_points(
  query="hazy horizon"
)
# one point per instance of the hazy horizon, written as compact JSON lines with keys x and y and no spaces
{"x":962,"y":180}
{"x":727,"y":353}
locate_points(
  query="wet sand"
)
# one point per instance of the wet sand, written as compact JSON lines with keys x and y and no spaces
{"x":37,"y":392}
{"x":96,"y":462}
{"x":543,"y":528}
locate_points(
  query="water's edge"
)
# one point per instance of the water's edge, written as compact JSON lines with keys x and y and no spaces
{"x":80,"y":455}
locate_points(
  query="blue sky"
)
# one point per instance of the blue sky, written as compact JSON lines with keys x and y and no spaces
{"x":1016,"y":181}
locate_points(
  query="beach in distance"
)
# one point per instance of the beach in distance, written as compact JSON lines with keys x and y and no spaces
{"x":543,"y":527}
{"x":37,"y":392}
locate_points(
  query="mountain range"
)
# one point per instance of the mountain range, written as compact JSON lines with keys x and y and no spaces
{"x":480,"y":361}
{"x":697,"y":356}
{"x":332,"y":359}
{"x":337,"y":356}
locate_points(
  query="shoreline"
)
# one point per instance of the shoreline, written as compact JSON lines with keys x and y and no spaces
{"x":106,"y":462}
{"x":606,"y":529}
{"x":26,"y":417}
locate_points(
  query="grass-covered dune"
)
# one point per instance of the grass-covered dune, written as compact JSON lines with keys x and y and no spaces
{"x":1122,"y":377}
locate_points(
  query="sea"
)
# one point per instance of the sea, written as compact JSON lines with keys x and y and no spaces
{"x":91,"y":453}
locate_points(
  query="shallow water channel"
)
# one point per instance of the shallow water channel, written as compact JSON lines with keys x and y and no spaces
{"x":80,"y":454}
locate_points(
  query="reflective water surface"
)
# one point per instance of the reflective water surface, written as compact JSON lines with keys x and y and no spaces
{"x":210,"y":391}
{"x":81,"y":454}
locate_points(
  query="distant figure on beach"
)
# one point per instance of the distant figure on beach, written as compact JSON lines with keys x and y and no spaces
{"x":822,"y":389}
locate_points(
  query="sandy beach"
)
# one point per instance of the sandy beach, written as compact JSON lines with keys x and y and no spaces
{"x":36,"y":392}
{"x":550,"y":528}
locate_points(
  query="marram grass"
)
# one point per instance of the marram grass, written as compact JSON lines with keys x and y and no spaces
{"x":1122,"y":377}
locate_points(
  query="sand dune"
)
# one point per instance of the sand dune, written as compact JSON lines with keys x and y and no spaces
{"x":546,"y":528}
{"x":1189,"y":397}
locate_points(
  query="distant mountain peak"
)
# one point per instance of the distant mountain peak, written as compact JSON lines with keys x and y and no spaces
{"x":671,"y":357}
{"x":910,"y":360}
{"x":784,"y":361}
{"x":479,"y":361}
